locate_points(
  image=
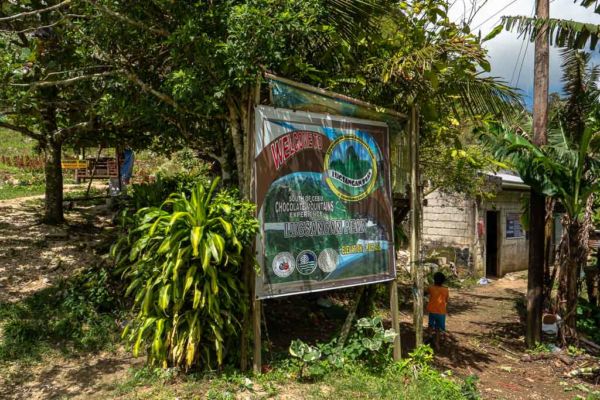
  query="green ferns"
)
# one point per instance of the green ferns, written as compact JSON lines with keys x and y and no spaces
{"x":183,"y":264}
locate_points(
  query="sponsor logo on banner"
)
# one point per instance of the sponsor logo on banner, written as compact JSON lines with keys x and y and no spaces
{"x":328,"y":260}
{"x":283,"y":264}
{"x":306,"y":262}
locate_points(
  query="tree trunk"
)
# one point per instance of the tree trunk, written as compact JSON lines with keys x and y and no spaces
{"x":53,"y":210}
{"x":592,"y":274}
{"x":233,"y":119}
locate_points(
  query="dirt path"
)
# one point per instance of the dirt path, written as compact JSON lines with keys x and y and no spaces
{"x":487,"y":340}
{"x":486,"y":331}
{"x":33,"y":257}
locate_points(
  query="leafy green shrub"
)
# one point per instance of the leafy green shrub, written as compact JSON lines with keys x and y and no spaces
{"x":365,"y":365}
{"x":308,"y":358}
{"x":370,"y":343}
{"x":153,"y":194}
{"x":183,"y":162}
{"x":78,"y":314}
{"x":588,"y":319}
{"x":469,"y":388}
{"x":178,"y":175}
{"x":182,"y":262}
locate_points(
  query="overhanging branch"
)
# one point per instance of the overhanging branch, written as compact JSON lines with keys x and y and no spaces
{"x":123,"y":18}
{"x":65,"y":82}
{"x":61,"y":134}
{"x":23,"y":130}
{"x":35,"y":12}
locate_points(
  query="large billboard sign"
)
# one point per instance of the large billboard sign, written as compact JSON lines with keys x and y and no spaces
{"x":322,"y":189}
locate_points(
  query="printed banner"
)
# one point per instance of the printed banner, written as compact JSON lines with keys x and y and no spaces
{"x":295,"y":96}
{"x":322,"y":188}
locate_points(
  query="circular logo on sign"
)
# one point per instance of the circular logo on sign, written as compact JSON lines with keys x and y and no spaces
{"x":328,"y":260}
{"x":350,"y":168}
{"x":283,"y":264}
{"x":306,"y":262}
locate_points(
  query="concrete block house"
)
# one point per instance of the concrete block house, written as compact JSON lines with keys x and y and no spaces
{"x":484,"y":236}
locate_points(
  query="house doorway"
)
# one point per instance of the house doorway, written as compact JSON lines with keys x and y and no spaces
{"x":491,"y":243}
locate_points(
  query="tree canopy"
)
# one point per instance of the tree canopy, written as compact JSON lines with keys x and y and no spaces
{"x":160,"y":74}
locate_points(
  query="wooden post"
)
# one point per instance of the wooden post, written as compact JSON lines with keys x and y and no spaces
{"x":253,"y":101}
{"x":415,"y":227}
{"x":118,"y":162}
{"x":350,"y":317}
{"x":537,"y":202}
{"x":87,"y":192}
{"x":395,"y":319}
{"x":256,"y":315}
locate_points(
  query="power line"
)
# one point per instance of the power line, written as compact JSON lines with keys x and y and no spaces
{"x":496,"y":13}
{"x":522,"y":62}
{"x":524,"y":54}
{"x":512,"y":76}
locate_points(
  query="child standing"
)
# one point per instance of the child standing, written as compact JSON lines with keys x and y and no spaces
{"x":436,"y":307}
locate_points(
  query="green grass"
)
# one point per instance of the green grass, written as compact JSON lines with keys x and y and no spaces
{"x":412,"y":378}
{"x":15,"y":144}
{"x":16,"y":182}
{"x":11,"y":192}
{"x":76,"y":315}
{"x":353,"y":382}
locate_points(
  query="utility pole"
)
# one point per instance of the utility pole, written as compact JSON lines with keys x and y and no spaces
{"x":537,"y":202}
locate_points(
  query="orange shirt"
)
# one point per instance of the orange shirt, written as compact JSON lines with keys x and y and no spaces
{"x":438,"y":298}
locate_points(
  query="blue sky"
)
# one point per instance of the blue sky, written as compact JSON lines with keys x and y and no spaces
{"x":508,"y":51}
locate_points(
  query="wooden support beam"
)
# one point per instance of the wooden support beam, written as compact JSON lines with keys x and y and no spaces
{"x":87,"y":192}
{"x":415,"y":228}
{"x":256,"y":316}
{"x":395,"y":319}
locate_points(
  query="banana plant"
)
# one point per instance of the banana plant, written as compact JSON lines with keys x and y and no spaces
{"x":182,"y":261}
{"x":567,"y":171}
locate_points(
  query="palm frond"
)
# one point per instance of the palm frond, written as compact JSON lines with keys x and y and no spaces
{"x":582,"y":92}
{"x":562,"y":33}
{"x":574,"y":66}
{"x":351,"y":17}
{"x":481,"y":95}
{"x":590,"y":3}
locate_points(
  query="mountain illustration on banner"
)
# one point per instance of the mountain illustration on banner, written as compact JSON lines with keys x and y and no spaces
{"x":352,"y":166}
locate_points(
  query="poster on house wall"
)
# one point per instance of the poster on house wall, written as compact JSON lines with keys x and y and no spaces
{"x":514,"y":229}
{"x":322,"y":189}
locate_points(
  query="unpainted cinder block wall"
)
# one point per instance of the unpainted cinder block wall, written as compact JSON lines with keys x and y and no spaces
{"x":513,"y":252}
{"x":449,"y":227}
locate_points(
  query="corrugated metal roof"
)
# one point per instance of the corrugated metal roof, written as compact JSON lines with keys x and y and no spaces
{"x":510,"y":180}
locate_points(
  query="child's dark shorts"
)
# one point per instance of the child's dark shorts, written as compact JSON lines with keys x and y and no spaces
{"x":437,"y":321}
